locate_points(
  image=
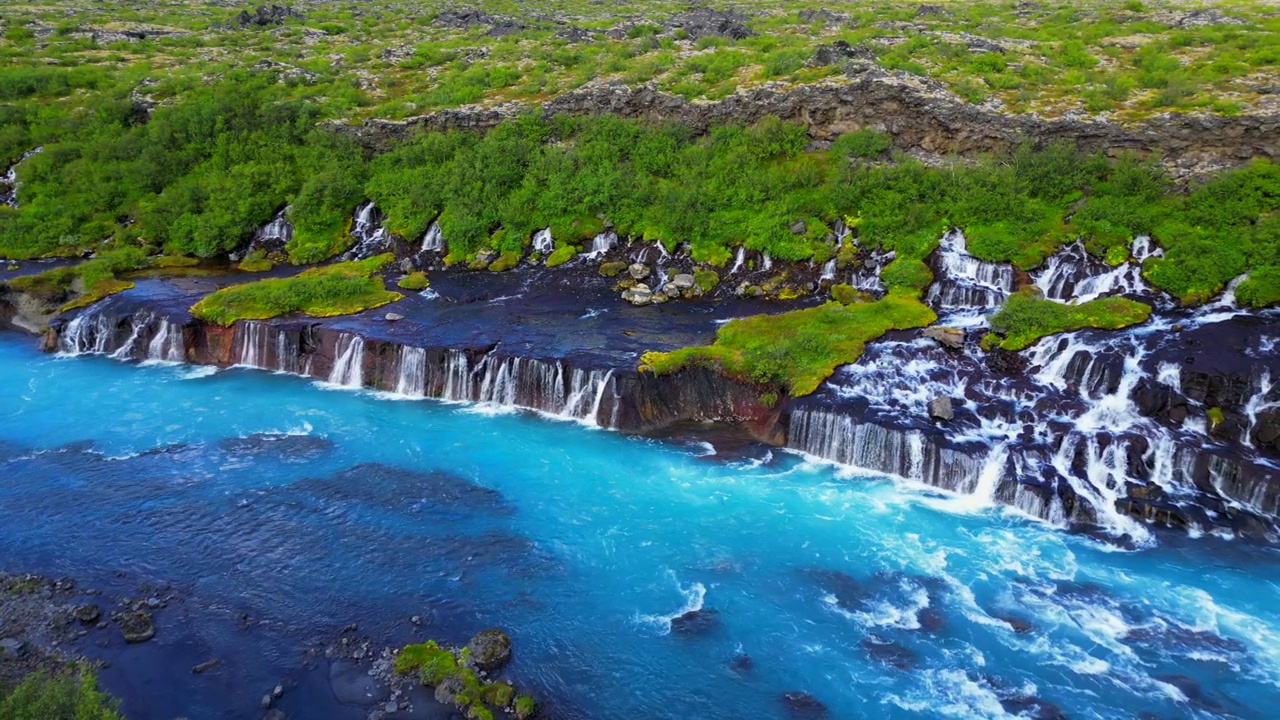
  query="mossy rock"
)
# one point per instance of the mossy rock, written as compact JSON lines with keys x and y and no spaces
{"x":706,"y":280}
{"x":845,"y":294}
{"x":561,"y":255}
{"x":505,"y":262}
{"x":1216,"y":418}
{"x":490,"y":649}
{"x":414,"y":281}
{"x":612,"y":269}
{"x":525,"y":707}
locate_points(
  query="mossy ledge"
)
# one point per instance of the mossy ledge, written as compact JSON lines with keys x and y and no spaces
{"x":1026,"y":317}
{"x":796,"y":351}
{"x":339,"y":289}
{"x":460,"y":675}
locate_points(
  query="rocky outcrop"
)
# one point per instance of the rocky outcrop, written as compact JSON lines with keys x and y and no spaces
{"x":921,"y":114}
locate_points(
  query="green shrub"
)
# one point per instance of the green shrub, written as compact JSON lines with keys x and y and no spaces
{"x":72,"y":696}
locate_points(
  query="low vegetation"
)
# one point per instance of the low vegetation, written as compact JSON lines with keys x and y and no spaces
{"x":475,"y":697}
{"x":67,"y":696}
{"x":796,"y":351}
{"x":414,"y":281}
{"x":327,"y":291}
{"x":1026,"y":317}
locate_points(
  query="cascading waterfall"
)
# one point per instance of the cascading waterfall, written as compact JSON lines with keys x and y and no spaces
{"x":433,"y":240}
{"x":739,"y":260}
{"x":866,"y":278}
{"x":411,"y":372}
{"x":543,"y":243}
{"x":278,"y":232}
{"x":348,"y":368}
{"x":90,"y":332}
{"x":964,"y":282}
{"x":829,"y":270}
{"x":167,"y":344}
{"x":371,"y":237}
{"x":601,"y":244}
{"x":1073,"y":274}
{"x":139,"y":322}
{"x":253,"y":345}
{"x":9,"y":181}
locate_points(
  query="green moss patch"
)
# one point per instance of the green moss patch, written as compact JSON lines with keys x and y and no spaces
{"x":799,"y":349}
{"x":475,"y":697}
{"x":612,"y":269}
{"x":561,"y":255}
{"x":339,"y":289}
{"x":414,"y":281}
{"x":1026,"y":317}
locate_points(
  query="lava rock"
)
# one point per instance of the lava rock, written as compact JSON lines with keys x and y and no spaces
{"x":838,"y":52}
{"x":803,"y":705}
{"x":695,"y":623}
{"x":490,"y":649}
{"x":448,"y":689}
{"x":88,"y":614}
{"x":948,"y":337}
{"x":703,"y":22}
{"x":940,"y":408}
{"x":1005,"y":362}
{"x":12,"y":648}
{"x":137,"y":627}
{"x":638,"y":294}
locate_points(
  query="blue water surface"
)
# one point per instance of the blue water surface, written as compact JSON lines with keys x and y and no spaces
{"x":875,"y":599}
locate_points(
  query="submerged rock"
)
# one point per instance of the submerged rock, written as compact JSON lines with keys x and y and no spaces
{"x":803,"y":705}
{"x":137,"y":627}
{"x":696,"y":622}
{"x":88,"y":614}
{"x":889,"y":652}
{"x":490,"y":649}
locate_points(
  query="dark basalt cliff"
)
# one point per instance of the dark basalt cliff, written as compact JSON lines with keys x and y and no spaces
{"x":922,"y":115}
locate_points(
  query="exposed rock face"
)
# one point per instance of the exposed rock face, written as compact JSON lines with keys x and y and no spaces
{"x":490,"y":649}
{"x":265,"y":16}
{"x":704,"y":22}
{"x":922,"y":115}
{"x":940,"y":408}
{"x":639,"y":271}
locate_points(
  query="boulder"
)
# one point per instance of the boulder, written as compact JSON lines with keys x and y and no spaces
{"x":948,"y":337}
{"x":798,"y":227}
{"x":88,"y":614}
{"x":695,"y":622}
{"x":12,"y":648}
{"x":393,"y":317}
{"x":490,"y":649}
{"x":639,"y":271}
{"x":638,"y":294}
{"x":682,"y":281}
{"x":803,"y":705}
{"x":448,"y":689}
{"x":137,"y":627}
{"x":940,"y":408}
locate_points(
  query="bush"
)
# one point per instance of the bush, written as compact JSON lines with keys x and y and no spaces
{"x":72,"y":696}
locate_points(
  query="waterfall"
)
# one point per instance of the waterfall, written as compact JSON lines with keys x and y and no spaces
{"x":348,"y":368}
{"x":457,"y":377}
{"x":829,"y":270}
{"x":1073,"y":274}
{"x":9,"y":181}
{"x":543,"y":243}
{"x":167,"y":345}
{"x":1258,"y":402}
{"x":371,"y":237}
{"x":411,"y":372}
{"x":602,"y":244}
{"x":586,"y":395}
{"x":766,"y":263}
{"x":433,"y":241}
{"x":253,"y":345}
{"x":277,"y":232}
{"x":91,"y":332}
{"x":867,"y":277}
{"x":139,"y":322}
{"x":738,"y":260}
{"x":965,"y":282}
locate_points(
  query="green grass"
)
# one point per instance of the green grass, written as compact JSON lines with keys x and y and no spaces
{"x":796,"y":350}
{"x":68,"y":696}
{"x":1026,"y":317}
{"x":339,"y":289}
